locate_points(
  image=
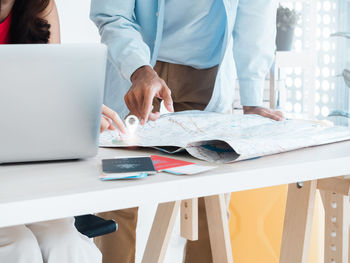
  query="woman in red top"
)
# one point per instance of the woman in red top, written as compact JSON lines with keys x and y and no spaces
{"x":5,"y":30}
{"x":29,"y":22}
{"x":58,"y":241}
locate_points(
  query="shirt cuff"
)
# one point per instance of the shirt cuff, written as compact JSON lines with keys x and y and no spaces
{"x":251,"y":92}
{"x":131,"y":64}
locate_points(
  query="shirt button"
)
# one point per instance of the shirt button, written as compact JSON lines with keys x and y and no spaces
{"x":157,"y":14}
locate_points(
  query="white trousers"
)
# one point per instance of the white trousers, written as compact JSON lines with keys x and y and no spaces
{"x":55,"y":241}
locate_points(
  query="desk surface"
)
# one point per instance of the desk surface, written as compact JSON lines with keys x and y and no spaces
{"x":37,"y":192}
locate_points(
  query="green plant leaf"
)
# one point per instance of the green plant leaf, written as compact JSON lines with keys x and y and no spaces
{"x":287,"y":18}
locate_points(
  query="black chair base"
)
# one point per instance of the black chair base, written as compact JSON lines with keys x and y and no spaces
{"x":94,"y":226}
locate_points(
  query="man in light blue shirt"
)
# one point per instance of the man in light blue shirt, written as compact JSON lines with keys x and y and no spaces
{"x":195,"y":40}
{"x":188,"y":54}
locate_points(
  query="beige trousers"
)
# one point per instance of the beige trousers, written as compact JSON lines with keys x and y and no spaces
{"x":191,"y":89}
{"x":56,"y":241}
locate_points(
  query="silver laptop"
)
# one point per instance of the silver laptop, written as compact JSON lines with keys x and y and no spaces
{"x":50,"y":101}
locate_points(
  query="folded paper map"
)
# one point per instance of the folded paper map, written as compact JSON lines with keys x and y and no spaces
{"x":223,"y":138}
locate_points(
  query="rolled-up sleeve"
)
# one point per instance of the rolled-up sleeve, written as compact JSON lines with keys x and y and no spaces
{"x":120,"y":32}
{"x":254,"y":47}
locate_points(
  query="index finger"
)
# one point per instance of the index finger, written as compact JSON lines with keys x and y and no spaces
{"x":147,"y":106}
{"x":114,"y":117}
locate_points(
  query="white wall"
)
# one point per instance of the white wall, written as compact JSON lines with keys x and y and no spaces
{"x":76,"y":27}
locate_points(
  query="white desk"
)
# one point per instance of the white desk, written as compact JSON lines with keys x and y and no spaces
{"x":36,"y":192}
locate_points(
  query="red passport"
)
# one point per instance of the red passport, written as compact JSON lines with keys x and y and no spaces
{"x":163,"y":163}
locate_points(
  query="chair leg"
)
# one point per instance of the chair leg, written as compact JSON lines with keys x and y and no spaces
{"x":162,"y":228}
{"x":218,"y":229}
{"x":297,"y":222}
{"x":189,"y":219}
{"x":337,"y":218}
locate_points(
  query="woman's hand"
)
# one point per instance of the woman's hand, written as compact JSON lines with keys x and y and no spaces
{"x":110,"y":117}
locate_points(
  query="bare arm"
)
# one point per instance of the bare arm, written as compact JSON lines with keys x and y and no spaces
{"x":51,"y":15}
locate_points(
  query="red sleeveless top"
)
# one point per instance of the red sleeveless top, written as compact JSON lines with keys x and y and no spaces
{"x":5,"y":30}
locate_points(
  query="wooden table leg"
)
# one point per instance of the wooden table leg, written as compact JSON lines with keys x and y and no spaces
{"x":189,"y":219}
{"x":337,"y":218}
{"x":159,"y":237}
{"x":218,"y":229}
{"x":297,"y":222}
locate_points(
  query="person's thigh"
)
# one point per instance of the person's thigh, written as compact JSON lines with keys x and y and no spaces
{"x":60,"y":241}
{"x":191,"y":89}
{"x":162,"y":70}
{"x":19,"y":245}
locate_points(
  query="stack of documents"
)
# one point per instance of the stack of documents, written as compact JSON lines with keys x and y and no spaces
{"x":141,"y":167}
{"x":127,"y":168}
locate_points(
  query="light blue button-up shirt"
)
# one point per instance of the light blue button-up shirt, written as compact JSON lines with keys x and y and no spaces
{"x":132,"y":30}
{"x":193,"y":36}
